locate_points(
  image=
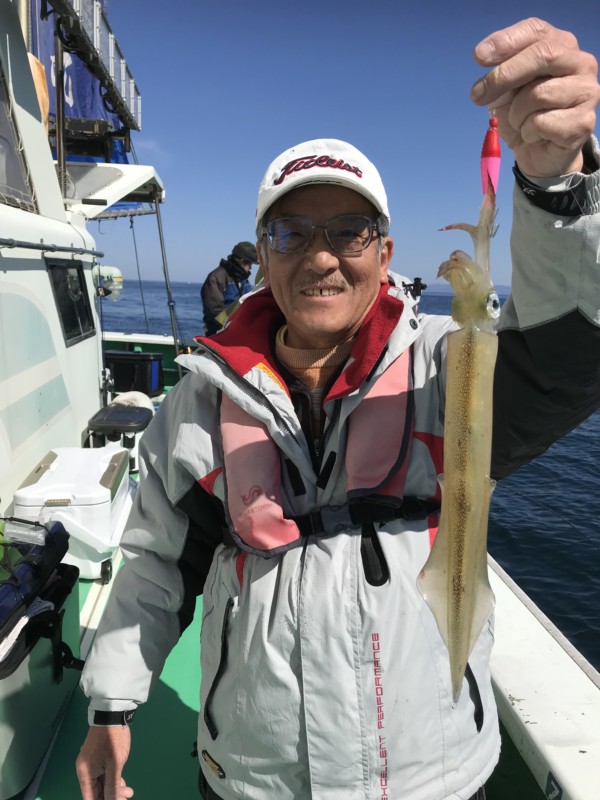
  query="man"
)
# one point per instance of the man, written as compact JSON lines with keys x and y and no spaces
{"x":291,"y":476}
{"x":226,"y":284}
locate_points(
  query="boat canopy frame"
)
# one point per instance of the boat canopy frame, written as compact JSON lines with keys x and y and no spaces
{"x":97,"y":191}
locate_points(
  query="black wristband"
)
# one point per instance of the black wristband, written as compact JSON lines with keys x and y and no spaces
{"x":114,"y":717}
{"x":577,"y":201}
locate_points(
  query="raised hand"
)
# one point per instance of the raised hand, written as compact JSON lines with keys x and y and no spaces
{"x":544,"y":91}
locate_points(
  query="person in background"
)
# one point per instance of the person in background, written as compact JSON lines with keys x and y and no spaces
{"x":290,"y":476}
{"x":226,"y":284}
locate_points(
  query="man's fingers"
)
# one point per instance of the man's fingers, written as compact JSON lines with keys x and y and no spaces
{"x":541,"y":60}
{"x":506,"y":43}
{"x":112,"y":784}
{"x":126,"y":791}
{"x":525,"y":52}
{"x":88,"y":782}
{"x":115,"y":786}
{"x":100,"y":763}
{"x":560,"y":128}
{"x":572,"y":94}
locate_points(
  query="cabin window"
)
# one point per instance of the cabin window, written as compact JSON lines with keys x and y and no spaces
{"x":72,"y":301}
{"x":14,"y":180}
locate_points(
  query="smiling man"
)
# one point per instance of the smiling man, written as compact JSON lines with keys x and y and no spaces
{"x":325,"y":252}
{"x":332,"y":191}
{"x":291,"y":476}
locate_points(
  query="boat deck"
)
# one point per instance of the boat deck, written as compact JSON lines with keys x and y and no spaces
{"x":164,"y":731}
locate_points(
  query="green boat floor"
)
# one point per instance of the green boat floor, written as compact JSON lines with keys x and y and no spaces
{"x":163,"y":733}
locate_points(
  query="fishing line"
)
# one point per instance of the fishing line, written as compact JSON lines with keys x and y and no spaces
{"x":137,"y":262}
{"x":559,"y":515}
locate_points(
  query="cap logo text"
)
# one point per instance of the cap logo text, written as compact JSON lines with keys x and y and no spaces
{"x":308,"y":162}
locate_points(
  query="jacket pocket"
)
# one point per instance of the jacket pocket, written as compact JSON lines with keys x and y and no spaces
{"x":210,"y":724}
{"x":475,"y":696}
{"x":374,"y":564}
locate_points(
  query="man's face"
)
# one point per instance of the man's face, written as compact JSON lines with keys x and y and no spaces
{"x":324,"y":295}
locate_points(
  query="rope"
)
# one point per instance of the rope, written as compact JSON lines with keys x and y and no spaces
{"x":137,"y":262}
{"x":170,"y":301}
{"x":177,"y":324}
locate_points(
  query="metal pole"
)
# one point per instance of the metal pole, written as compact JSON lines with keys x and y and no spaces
{"x":170,"y":300}
{"x":59,"y":68}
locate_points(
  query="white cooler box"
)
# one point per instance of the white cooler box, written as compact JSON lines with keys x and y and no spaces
{"x":87,"y":489}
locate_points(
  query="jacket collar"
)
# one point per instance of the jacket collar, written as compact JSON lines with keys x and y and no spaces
{"x":234,"y":269}
{"x":246,"y":341}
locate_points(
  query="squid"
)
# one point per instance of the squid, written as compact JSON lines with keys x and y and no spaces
{"x":454,"y":581}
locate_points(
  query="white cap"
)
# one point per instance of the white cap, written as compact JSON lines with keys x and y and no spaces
{"x":321,"y":161}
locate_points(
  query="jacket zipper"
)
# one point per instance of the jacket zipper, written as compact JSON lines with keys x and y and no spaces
{"x":210,"y":724}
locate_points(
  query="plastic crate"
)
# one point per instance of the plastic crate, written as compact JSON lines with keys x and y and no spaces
{"x":139,"y":372}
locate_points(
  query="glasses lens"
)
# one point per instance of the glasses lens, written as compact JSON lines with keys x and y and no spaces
{"x":349,"y":233}
{"x":290,"y":234}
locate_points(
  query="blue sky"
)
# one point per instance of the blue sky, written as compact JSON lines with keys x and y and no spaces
{"x":227,"y":85}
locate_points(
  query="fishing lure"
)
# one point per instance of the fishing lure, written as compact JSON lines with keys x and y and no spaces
{"x":490,"y":156}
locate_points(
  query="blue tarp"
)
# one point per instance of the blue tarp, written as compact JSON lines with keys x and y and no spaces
{"x":83,"y":96}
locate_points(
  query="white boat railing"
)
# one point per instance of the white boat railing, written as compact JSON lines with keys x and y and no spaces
{"x":548,"y":695}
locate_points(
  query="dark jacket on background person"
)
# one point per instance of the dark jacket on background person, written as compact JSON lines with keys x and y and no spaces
{"x":222,"y":287}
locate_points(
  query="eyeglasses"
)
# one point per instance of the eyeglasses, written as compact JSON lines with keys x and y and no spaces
{"x":348,"y":233}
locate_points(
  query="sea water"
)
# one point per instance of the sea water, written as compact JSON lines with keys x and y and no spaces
{"x":544,"y":520}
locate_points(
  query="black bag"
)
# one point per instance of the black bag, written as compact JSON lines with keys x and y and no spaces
{"x":28,"y":573}
{"x":41,"y":669}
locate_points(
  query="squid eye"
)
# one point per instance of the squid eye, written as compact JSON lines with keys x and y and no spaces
{"x":493,"y":305}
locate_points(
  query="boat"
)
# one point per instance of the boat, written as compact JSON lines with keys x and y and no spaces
{"x":54,"y":382}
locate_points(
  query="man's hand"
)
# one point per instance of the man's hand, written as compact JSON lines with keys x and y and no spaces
{"x":100,"y":763}
{"x":544,"y":91}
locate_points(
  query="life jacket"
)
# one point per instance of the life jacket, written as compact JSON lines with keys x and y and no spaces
{"x":376,"y":462}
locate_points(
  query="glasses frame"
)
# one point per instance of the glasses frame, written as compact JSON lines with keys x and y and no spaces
{"x":376,"y":228}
